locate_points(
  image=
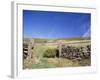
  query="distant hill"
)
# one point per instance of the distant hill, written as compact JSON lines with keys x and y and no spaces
{"x":44,"y":40}
{"x":75,"y":38}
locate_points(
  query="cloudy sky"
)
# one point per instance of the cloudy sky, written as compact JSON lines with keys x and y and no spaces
{"x":47,"y":24}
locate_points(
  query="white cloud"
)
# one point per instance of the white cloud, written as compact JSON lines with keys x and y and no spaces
{"x":87,"y":33}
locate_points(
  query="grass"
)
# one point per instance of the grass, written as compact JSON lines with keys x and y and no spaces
{"x":57,"y":62}
{"x":54,"y":62}
{"x":38,"y":61}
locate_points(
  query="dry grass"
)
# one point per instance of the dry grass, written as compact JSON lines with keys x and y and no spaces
{"x":38,"y":61}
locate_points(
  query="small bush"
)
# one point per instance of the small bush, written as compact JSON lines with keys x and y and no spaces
{"x":50,"y":53}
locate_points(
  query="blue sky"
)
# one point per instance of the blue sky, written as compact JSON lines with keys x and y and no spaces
{"x":47,"y":24}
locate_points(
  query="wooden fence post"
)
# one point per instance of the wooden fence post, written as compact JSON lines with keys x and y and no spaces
{"x":60,"y":47}
{"x":30,"y":48}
